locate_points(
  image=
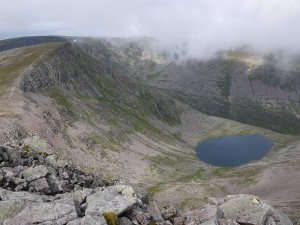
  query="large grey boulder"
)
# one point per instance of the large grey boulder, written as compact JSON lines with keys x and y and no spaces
{"x":38,"y":145}
{"x":11,"y":208}
{"x":6,"y":195}
{"x":34,"y":173}
{"x":111,"y":199}
{"x":47,"y":213}
{"x":27,"y":208}
{"x":39,"y":185}
{"x":249,"y":209}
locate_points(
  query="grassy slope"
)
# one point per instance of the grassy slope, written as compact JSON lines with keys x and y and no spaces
{"x":12,"y":64}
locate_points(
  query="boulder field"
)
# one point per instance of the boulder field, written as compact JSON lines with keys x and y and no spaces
{"x":36,"y":187}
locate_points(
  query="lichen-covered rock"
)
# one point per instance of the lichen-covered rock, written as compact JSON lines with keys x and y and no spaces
{"x":169,"y":212}
{"x":54,"y":184}
{"x":10,"y":208}
{"x":39,"y":185}
{"x":34,"y":173}
{"x":248,"y":209}
{"x":38,"y":145}
{"x":109,"y":200}
{"x":51,"y":213}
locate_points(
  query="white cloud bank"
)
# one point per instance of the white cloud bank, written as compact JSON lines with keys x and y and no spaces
{"x":204,"y":25}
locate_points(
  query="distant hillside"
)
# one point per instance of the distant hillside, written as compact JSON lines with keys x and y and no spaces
{"x":28,"y":41}
{"x":260,"y":90}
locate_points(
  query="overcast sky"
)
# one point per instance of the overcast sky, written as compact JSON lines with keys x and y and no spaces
{"x":204,"y":25}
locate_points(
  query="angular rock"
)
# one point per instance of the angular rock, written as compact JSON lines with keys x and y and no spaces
{"x":6,"y":195}
{"x":216,"y":201}
{"x":211,"y":212}
{"x":38,"y":145}
{"x":142,"y":194}
{"x":20,"y":187}
{"x":109,"y":200}
{"x":16,"y":180}
{"x":248,"y":209}
{"x":133,"y":212}
{"x":125,"y":190}
{"x":79,"y":196}
{"x":35,"y":173}
{"x":54,"y":184}
{"x":7,"y":173}
{"x":270,"y":221}
{"x":10,"y":208}
{"x":125,"y":221}
{"x":98,"y":182}
{"x":4,"y":153}
{"x":48,"y":213}
{"x":169,"y":212}
{"x":39,"y":185}
{"x":52,"y":161}
{"x":154,"y":212}
{"x":64,"y":175}
{"x":18,"y":169}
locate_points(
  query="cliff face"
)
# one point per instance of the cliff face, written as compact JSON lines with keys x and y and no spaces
{"x":246,"y":87}
{"x":64,"y":68}
{"x":70,"y":69}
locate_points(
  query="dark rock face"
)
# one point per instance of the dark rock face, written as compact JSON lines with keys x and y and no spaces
{"x":65,"y":68}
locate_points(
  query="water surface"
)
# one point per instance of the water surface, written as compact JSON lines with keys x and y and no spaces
{"x":233,"y":151}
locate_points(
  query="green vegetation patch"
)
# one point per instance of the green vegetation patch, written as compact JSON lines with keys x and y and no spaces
{"x":111,"y":218}
{"x":221,"y":171}
{"x":224,"y":84}
{"x":60,"y":98}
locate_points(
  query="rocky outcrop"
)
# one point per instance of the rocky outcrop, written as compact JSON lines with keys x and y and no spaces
{"x":38,"y":188}
{"x":37,"y":169}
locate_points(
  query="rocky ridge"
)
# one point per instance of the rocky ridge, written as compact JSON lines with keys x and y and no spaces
{"x":39,"y":188}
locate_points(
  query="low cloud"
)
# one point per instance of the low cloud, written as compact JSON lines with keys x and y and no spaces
{"x":202,"y":26}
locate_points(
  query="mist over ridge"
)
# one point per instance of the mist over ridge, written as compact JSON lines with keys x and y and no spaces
{"x":200,"y":28}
